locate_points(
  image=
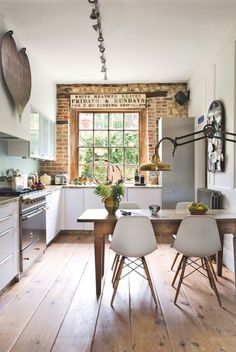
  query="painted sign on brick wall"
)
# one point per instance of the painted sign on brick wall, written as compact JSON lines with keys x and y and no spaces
{"x":107,"y":101}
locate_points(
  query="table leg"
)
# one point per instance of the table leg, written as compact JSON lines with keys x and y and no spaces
{"x":219,"y":257}
{"x":99,"y":256}
{"x":234,"y":247}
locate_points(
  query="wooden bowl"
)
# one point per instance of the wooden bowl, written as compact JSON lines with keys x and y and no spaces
{"x":197,"y":211}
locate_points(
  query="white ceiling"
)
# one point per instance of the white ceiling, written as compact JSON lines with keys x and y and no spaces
{"x":145,"y":40}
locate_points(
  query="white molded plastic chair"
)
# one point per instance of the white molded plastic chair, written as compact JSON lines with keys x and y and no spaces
{"x":129,"y":205}
{"x":197,"y":236}
{"x":179,"y":206}
{"x":133,"y":237}
{"x":122,"y":205}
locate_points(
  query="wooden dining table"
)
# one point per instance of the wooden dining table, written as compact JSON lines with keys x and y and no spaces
{"x":165,"y":223}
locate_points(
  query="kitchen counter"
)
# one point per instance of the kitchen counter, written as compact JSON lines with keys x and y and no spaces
{"x":128,"y":185}
{"x":8,"y":199}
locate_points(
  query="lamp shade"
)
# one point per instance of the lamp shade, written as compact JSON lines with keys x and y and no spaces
{"x":155,"y":165}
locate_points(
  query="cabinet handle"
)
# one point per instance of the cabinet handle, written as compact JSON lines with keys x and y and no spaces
{"x":4,"y":219}
{"x":5,"y":232}
{"x":37,"y":248}
{"x":26,"y":258}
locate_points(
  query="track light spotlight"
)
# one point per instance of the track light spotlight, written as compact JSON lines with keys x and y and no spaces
{"x":97,"y":26}
{"x":103,"y":68}
{"x":94,"y":14}
{"x":103,"y":60}
{"x":92,"y":1}
{"x":101,"y":48}
{"x":105,"y":76}
{"x":100,"y":37}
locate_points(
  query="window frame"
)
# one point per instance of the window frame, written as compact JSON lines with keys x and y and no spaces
{"x":74,"y":133}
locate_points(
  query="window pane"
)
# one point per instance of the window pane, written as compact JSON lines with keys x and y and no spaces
{"x":101,"y":138}
{"x":129,"y":172}
{"x":85,"y":155}
{"x":131,"y":155}
{"x":85,"y":121}
{"x":116,"y":155}
{"x":131,"y":139}
{"x":114,"y":172}
{"x":34,"y":121}
{"x":131,"y":121}
{"x":116,"y":121}
{"x":100,"y":172}
{"x":100,"y":154}
{"x":86,"y":170}
{"x":116,"y":139}
{"x":85,"y":138}
{"x":100,"y":121}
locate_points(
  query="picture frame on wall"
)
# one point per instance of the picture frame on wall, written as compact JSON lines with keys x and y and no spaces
{"x":216,"y":146}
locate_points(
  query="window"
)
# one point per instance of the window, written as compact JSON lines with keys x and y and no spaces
{"x":108,"y":144}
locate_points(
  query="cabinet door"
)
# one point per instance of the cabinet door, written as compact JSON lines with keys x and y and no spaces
{"x":34,"y":134}
{"x":53,"y":218}
{"x":145,"y":196}
{"x":91,"y":201}
{"x":73,"y":208}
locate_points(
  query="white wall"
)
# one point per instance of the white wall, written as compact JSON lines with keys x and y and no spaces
{"x":43,"y":94}
{"x":43,"y":98}
{"x":215,"y":79}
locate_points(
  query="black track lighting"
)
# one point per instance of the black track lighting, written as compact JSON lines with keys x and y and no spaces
{"x":101,"y":48}
{"x":95,"y":15}
{"x":100,"y":37}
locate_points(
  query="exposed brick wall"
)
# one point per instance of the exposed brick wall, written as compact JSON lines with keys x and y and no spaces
{"x":161,"y":103}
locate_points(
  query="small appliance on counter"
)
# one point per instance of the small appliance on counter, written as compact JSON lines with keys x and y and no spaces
{"x":61,"y":179}
{"x":45,"y":179}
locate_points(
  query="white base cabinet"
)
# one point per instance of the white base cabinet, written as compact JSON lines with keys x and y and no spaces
{"x":73,"y":204}
{"x":53,"y":214}
{"x":9,"y":242}
{"x":77,"y":200}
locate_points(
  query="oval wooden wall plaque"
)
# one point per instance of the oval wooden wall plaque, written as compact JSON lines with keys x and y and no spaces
{"x":16,"y":72}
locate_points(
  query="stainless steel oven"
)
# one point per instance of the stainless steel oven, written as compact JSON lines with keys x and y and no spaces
{"x":32,"y":227}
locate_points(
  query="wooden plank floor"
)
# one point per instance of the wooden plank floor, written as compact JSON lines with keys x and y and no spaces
{"x":54,"y":307}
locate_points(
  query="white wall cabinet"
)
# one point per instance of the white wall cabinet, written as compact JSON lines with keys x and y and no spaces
{"x":42,"y":144}
{"x":42,"y":136}
{"x":9,"y":242}
{"x":53,"y":215}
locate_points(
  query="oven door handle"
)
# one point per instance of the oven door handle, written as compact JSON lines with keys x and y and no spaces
{"x":34,"y":213}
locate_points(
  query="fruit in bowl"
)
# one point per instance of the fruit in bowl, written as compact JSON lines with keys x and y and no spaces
{"x":198,"y":208}
{"x":38,"y":185}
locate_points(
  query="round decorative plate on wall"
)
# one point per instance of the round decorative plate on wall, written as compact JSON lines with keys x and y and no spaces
{"x":216,"y":146}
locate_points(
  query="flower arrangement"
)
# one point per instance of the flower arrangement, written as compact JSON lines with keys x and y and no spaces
{"x":111,"y":194}
{"x":110,"y":190}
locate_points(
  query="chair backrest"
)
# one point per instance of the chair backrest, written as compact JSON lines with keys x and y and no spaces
{"x":133,"y":236}
{"x":182,"y":205}
{"x":129,"y":205}
{"x":198,"y":236}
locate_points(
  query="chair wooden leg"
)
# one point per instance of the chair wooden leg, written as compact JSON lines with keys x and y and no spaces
{"x":212,"y":280}
{"x":212,"y":268}
{"x":149,"y":279}
{"x":181,"y":278}
{"x":177,"y":271}
{"x":173,"y":264}
{"x":116,"y":260}
{"x":117,"y":279}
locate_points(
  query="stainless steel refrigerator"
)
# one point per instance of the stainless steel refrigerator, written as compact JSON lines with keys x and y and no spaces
{"x":178,"y":184}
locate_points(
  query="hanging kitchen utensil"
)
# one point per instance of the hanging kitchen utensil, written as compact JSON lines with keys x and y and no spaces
{"x":16,"y":72}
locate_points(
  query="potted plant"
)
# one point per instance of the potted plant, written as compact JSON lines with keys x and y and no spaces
{"x":111,"y":194}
